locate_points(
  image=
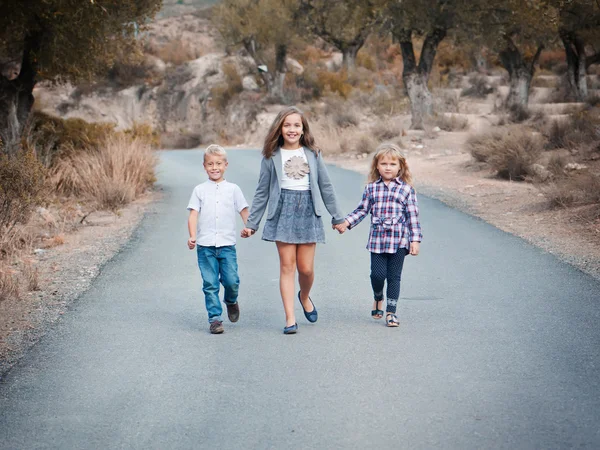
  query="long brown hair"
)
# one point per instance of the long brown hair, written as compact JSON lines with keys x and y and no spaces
{"x":274,"y":137}
{"x":388,"y":149}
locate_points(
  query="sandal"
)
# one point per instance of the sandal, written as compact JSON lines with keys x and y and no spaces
{"x":377,"y":313}
{"x":391,"y":320}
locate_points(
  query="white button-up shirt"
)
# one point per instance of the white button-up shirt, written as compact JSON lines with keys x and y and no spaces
{"x":217,"y":205}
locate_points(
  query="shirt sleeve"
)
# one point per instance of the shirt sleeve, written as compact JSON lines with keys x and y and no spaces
{"x":195,"y":202}
{"x":412,"y":217}
{"x":361,"y":211}
{"x":238,"y":199}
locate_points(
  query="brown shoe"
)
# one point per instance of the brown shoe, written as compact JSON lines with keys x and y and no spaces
{"x":216,"y":327}
{"x":233,"y":311}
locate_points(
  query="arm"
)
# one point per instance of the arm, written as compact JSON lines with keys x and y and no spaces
{"x":328,"y":192}
{"x":261,"y":196}
{"x":361,"y":211}
{"x":412,"y":216}
{"x":192,"y":226}
{"x":244,"y":213}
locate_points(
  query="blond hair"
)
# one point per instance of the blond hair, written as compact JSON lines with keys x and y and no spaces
{"x":274,"y":137}
{"x":389,"y":149}
{"x":214,"y":149}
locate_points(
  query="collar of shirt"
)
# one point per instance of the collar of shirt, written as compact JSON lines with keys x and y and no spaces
{"x":214,"y":182}
{"x":397,"y":180}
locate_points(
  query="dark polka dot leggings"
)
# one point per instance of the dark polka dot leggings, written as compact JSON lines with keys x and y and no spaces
{"x":387,"y":266}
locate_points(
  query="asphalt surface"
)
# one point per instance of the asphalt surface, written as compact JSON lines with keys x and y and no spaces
{"x":499,"y":345}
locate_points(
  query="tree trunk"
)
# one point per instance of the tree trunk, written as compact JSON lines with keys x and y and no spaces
{"x":280,"y":71}
{"x":16,"y":101}
{"x":576,"y":65}
{"x":415,"y":77}
{"x":268,"y":79}
{"x":520,"y":74}
{"x":421,"y":101}
{"x":349,"y":56}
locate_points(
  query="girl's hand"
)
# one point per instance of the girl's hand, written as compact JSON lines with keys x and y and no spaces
{"x":340,"y":227}
{"x":247,"y":232}
{"x":191,"y":243}
{"x":414,"y":248}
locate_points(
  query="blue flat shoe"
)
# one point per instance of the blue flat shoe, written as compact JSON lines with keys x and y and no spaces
{"x":291,"y":329}
{"x":310,"y":316}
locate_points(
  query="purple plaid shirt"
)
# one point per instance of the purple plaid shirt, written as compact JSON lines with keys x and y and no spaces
{"x":394,"y":216}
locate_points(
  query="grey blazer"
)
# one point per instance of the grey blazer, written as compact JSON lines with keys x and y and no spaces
{"x":268,"y":189}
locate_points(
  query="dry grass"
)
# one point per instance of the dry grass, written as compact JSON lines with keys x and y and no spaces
{"x":176,"y":52}
{"x":580,"y":130}
{"x":31,"y":277}
{"x":452,"y":122}
{"x":9,"y":285}
{"x":111,"y":176}
{"x":386,"y":130}
{"x":510,"y":152}
{"x":574,"y":190}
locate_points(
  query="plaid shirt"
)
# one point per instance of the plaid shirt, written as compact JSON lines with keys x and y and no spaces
{"x":394,"y":216}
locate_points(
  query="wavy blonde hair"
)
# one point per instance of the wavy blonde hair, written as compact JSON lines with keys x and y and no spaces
{"x":274,"y":137}
{"x":388,"y":149}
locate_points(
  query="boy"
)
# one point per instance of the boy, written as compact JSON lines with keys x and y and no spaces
{"x":212,"y":229}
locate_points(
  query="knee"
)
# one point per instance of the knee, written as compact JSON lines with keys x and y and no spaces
{"x":288,"y":268}
{"x":305,"y":271}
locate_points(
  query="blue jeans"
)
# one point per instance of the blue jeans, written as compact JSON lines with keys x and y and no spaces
{"x":218,"y":265}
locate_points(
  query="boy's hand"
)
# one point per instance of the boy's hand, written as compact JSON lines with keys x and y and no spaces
{"x":341,"y":227}
{"x":191,"y":243}
{"x":414,"y":248}
{"x":247,"y":232}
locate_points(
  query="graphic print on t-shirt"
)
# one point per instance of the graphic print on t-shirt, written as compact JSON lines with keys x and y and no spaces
{"x":296,"y":168}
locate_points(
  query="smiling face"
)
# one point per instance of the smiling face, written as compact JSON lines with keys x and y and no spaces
{"x":291,"y":131}
{"x":388,"y":167}
{"x":215,"y":166}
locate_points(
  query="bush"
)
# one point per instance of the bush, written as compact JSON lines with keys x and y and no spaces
{"x":335,"y":82}
{"x":364,"y":144}
{"x":111,"y":176}
{"x":581,"y":129}
{"x":511,"y":152}
{"x":579,"y":189}
{"x":385,"y":130}
{"x":479,"y":87}
{"x":51,"y":138}
{"x":22,"y":179}
{"x":224,"y":92}
{"x":451,"y":122}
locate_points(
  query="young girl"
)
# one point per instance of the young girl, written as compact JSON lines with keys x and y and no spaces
{"x":293,"y":180}
{"x":395,"y":229}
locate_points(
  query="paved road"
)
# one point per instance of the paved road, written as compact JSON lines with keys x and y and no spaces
{"x":499,"y":346}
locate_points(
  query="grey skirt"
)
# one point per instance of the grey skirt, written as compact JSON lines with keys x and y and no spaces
{"x":294,"y":221}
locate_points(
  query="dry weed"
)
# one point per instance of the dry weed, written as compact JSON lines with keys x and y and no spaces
{"x":31,"y":277}
{"x":572,"y":190}
{"x":452,"y":122}
{"x":9,"y":285}
{"x":510,"y":152}
{"x":112,"y":176}
{"x":479,"y":87}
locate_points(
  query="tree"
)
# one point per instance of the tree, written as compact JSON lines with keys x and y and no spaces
{"x":344,"y":25}
{"x":58,"y":40}
{"x":579,"y":29}
{"x":518,"y":30}
{"x":430,"y":20}
{"x":260,"y":26}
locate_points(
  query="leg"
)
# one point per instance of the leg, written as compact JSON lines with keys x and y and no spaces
{"x":378,"y":274}
{"x":209,"y":268}
{"x":230,"y":280}
{"x":287,"y":269}
{"x":305,"y":257}
{"x":228,"y":270}
{"x":394,"y":274}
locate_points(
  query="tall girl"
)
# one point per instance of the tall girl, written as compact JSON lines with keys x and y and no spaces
{"x":395,"y":229}
{"x":293,"y":182}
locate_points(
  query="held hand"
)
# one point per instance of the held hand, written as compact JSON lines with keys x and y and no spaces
{"x":414,"y":248}
{"x":191,"y":243}
{"x":341,"y":227}
{"x":247,"y":232}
